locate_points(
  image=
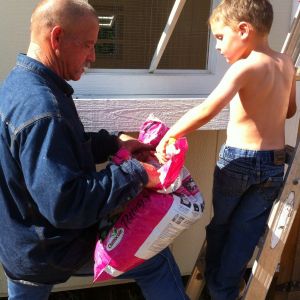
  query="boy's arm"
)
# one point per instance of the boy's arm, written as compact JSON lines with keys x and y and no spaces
{"x":230,"y":84}
{"x":292,"y":103}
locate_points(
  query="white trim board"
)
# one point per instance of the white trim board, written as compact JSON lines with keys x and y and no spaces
{"x":129,"y":114}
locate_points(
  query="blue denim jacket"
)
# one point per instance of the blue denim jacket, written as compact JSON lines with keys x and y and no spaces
{"x":51,"y":196}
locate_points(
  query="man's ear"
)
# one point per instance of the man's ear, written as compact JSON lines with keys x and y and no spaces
{"x":56,"y":34}
{"x":244,"y":29}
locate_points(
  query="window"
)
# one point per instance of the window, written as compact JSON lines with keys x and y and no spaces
{"x":131,"y":29}
{"x":156,"y":48}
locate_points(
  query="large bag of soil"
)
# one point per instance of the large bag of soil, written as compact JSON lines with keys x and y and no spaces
{"x":152,"y":220}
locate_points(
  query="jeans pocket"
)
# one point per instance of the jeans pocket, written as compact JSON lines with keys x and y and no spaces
{"x":230,"y":183}
{"x":270,"y":188}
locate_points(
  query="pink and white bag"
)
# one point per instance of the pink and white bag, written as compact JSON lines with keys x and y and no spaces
{"x":152,"y":220}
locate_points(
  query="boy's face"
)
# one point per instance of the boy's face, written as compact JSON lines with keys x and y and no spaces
{"x":229,"y":42}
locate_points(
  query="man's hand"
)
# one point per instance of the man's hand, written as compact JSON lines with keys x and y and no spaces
{"x":146,"y":156}
{"x":153,"y":175}
{"x":133,"y":145}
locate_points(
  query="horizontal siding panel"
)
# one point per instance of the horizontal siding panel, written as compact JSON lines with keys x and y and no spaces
{"x":129,"y":114}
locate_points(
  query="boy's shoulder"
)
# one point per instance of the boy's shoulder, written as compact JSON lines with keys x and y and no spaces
{"x":258,"y":61}
{"x":259,"y":67}
{"x":271,"y":56}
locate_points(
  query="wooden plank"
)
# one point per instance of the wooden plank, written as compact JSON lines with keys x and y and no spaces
{"x":270,"y":254}
{"x":293,"y":295}
{"x":287,"y":262}
{"x":296,"y":270}
{"x":196,"y":281}
{"x":200,"y":162}
{"x":162,"y":44}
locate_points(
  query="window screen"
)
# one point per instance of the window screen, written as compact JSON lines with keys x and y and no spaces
{"x":131,"y":29}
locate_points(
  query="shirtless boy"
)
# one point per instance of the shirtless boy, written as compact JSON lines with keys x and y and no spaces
{"x":260,"y":88}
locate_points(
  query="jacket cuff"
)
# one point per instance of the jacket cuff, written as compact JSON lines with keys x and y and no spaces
{"x":116,"y":133}
{"x":103,"y":145}
{"x":134,"y":166}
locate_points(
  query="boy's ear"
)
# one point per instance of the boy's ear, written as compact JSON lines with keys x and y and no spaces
{"x":244,"y":29}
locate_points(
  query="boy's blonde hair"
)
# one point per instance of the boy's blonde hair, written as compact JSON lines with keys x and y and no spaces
{"x":258,"y":13}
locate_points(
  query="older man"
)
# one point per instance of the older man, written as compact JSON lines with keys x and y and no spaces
{"x":51,"y":196}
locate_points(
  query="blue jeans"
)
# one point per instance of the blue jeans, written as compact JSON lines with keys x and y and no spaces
{"x":159,"y":279}
{"x":246,"y":183}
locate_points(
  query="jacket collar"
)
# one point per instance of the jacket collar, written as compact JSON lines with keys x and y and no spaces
{"x":29,"y":63}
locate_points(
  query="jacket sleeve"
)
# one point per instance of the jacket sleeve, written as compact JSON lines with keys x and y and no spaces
{"x":60,"y":175}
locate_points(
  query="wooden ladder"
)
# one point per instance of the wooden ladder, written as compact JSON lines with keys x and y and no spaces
{"x":281,"y":217}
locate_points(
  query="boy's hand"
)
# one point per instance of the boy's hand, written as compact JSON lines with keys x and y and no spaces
{"x":161,"y":150}
{"x":153,"y":175}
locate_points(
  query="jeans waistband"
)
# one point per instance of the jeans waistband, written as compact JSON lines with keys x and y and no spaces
{"x":278,"y":157}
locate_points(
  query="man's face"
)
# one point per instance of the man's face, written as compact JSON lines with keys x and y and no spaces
{"x":77,"y":48}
